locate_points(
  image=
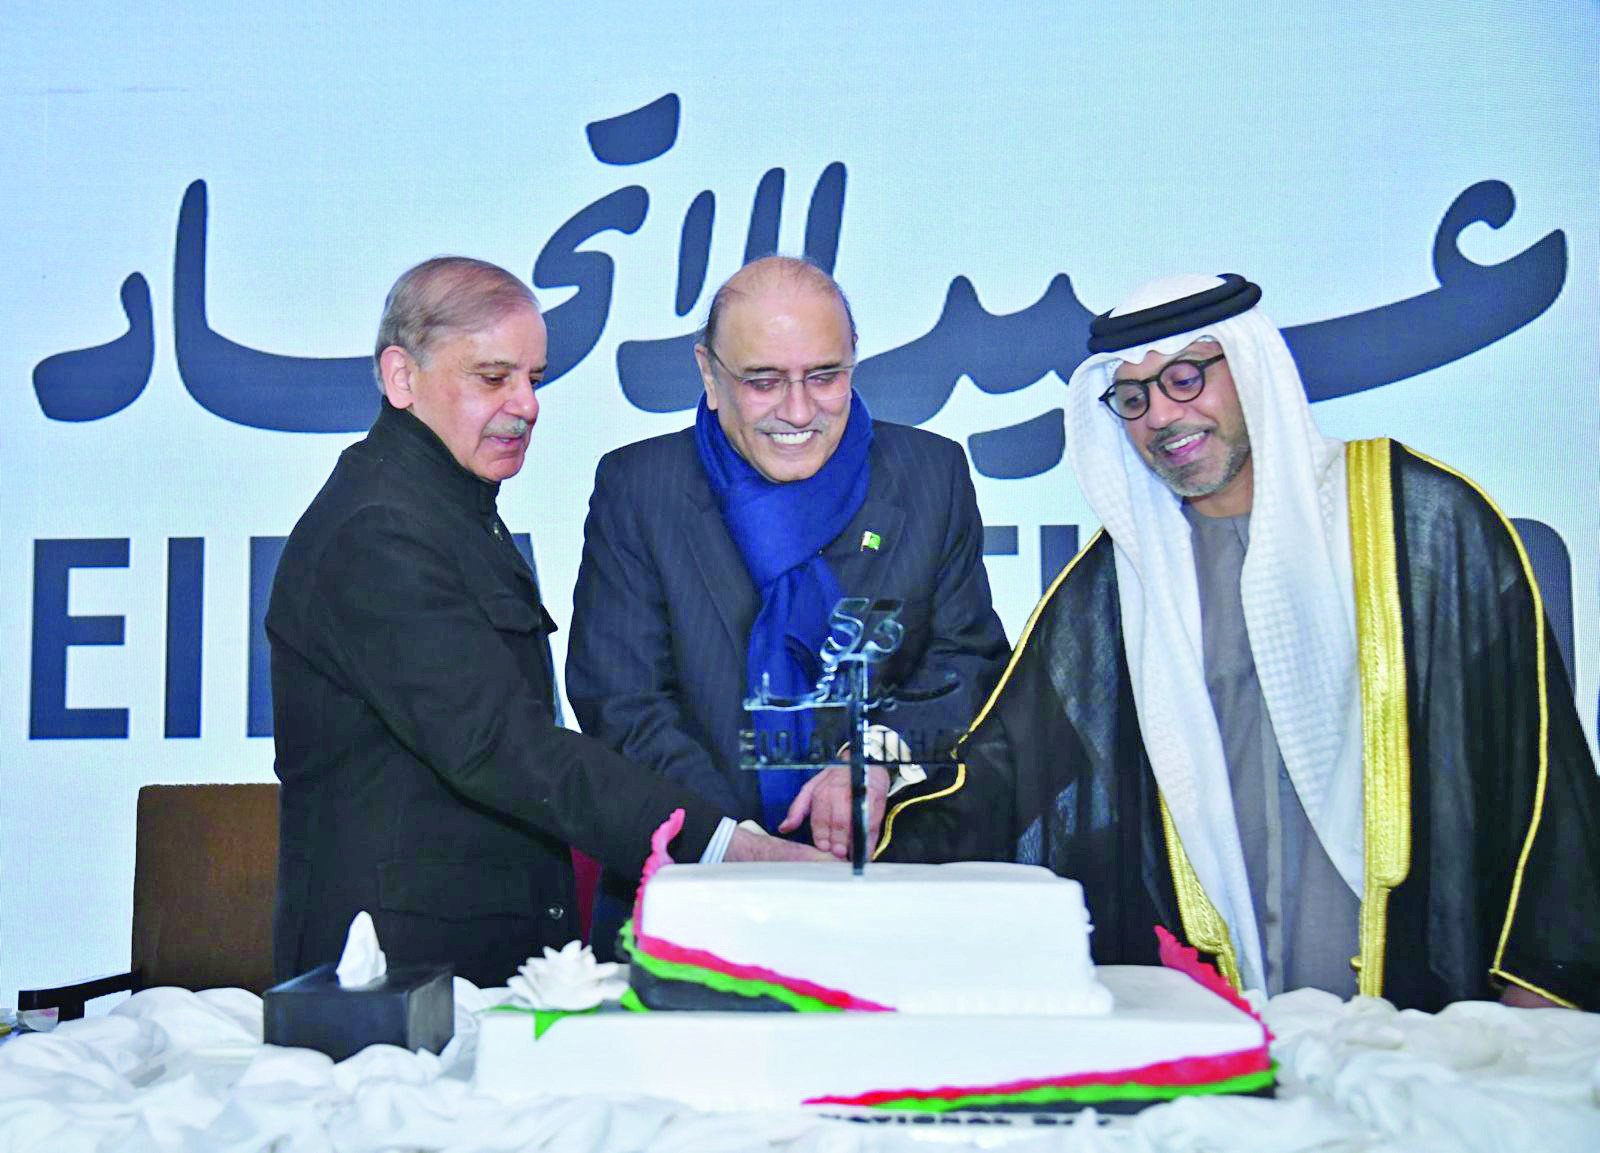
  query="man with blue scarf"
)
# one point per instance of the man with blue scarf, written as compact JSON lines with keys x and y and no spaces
{"x":713,"y":557}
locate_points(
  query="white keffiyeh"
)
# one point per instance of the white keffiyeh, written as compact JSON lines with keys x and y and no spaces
{"x":1298,"y":596}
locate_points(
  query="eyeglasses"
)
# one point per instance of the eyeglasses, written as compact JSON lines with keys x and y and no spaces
{"x":822,"y":384}
{"x":1179,"y":381}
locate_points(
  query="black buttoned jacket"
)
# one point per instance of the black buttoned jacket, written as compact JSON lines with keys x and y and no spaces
{"x":423,"y":776}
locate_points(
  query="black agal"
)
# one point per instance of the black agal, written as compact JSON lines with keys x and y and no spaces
{"x":1234,"y":295}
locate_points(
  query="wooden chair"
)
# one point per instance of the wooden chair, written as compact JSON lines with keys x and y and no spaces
{"x":204,"y":880}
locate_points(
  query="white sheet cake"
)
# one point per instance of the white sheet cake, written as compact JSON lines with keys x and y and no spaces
{"x":986,"y":968}
{"x":972,"y":937}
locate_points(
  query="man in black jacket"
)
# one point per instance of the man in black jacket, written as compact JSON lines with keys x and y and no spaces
{"x":424,"y":777}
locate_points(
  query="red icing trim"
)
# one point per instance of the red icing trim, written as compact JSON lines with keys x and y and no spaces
{"x":1186,"y":960}
{"x":1181,"y":1073}
{"x":679,"y":954}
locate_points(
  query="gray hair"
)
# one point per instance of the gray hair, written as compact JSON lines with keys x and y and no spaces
{"x":445,"y":295}
{"x":764,"y":270}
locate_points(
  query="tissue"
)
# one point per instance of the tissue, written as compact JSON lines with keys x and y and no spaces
{"x":363,"y":961}
{"x":341,"y":1009}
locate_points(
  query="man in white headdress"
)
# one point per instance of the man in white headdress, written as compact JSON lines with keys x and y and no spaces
{"x":1297,"y":701}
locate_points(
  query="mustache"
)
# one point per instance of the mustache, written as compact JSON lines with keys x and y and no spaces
{"x":515,"y":427}
{"x":1175,"y":432}
{"x":818,"y":425}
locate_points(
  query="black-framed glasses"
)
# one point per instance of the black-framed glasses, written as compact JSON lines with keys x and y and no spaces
{"x":1179,"y":381}
{"x":822,"y":383}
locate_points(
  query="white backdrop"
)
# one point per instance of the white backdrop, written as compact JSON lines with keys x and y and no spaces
{"x":276,"y":170}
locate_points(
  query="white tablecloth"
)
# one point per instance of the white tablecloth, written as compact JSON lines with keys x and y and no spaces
{"x":173,"y":1070}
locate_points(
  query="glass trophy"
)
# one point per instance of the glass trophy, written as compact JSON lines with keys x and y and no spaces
{"x":863,"y":634}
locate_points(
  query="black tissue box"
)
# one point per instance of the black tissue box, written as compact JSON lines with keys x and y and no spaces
{"x":412,"y":1006}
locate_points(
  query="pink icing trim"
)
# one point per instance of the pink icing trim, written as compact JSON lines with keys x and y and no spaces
{"x":659,"y":840}
{"x":1181,"y":1073}
{"x":679,"y":954}
{"x":1186,"y":960}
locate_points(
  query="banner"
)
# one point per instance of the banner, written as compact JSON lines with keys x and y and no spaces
{"x":206,"y":208}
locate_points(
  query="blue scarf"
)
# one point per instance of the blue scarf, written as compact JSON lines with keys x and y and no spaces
{"x":781,"y":530}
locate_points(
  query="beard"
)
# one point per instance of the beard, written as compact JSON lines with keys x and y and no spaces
{"x":1199,"y":478}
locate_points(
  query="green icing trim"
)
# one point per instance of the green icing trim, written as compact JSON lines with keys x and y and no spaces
{"x":718,"y":982}
{"x":543,"y":1019}
{"x":1084,"y":1094}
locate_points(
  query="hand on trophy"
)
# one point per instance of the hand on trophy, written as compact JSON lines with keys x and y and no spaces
{"x":826,"y":797}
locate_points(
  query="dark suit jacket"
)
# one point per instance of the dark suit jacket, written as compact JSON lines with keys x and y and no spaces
{"x":663,"y":606}
{"x":424,"y":778}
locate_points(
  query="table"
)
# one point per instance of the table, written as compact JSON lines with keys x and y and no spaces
{"x":173,"y":1070}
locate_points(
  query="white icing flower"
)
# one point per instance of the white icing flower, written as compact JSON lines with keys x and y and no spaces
{"x":570,"y":980}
